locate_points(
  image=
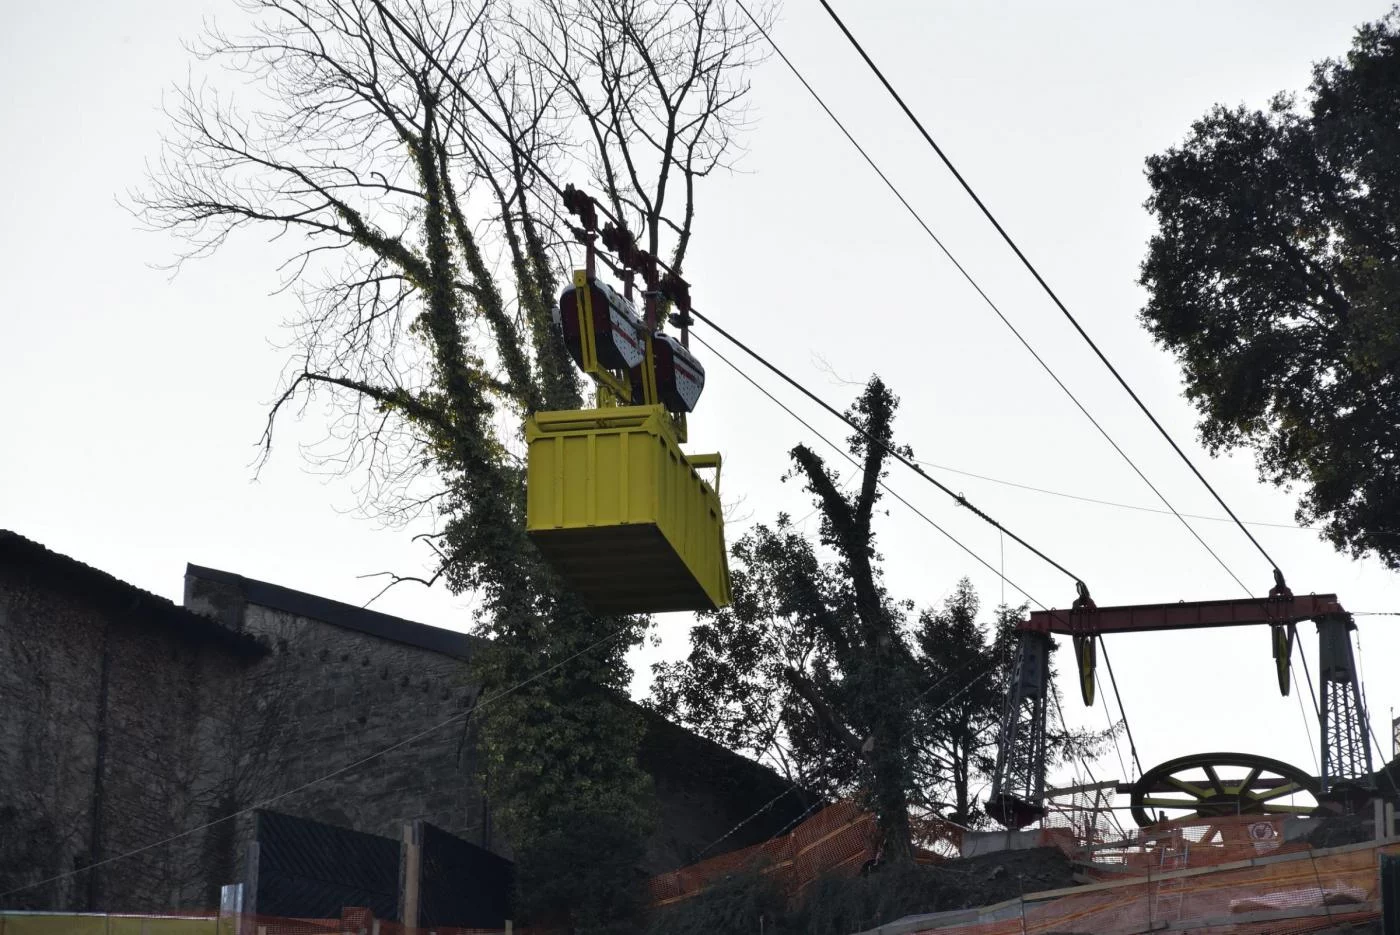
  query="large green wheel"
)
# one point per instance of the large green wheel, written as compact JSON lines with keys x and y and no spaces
{"x":1218,"y":785}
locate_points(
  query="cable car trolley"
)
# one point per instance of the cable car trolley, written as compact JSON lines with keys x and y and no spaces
{"x":613,"y":503}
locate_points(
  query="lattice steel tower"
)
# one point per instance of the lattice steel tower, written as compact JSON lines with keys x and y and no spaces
{"x":1346,"y":748}
{"x":1018,"y":785}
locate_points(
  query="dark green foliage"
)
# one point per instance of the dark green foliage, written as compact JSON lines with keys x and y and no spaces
{"x":582,"y":867}
{"x":744,"y":904}
{"x":812,"y":664}
{"x":845,"y":905}
{"x":1275,"y":280}
{"x":841,"y":906}
{"x":965,"y":667}
{"x":816,"y":669}
{"x":966,"y":664}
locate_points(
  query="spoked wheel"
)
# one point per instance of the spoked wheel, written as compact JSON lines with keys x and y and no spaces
{"x":1219,"y":785}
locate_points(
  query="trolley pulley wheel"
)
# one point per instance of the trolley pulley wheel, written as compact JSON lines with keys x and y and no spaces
{"x":1219,"y":785}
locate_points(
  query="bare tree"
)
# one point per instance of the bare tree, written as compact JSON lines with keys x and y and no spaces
{"x":412,"y":155}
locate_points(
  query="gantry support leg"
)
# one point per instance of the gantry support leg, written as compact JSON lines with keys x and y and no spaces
{"x":1346,"y":747}
{"x":1018,"y":785}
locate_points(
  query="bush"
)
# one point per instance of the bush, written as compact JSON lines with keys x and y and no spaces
{"x":583,"y":872}
{"x":743,"y":904}
{"x":842,"y":905}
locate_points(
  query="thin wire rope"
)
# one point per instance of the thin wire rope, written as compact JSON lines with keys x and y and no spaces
{"x":980,"y":291}
{"x":1113,"y":680}
{"x":761,"y":809}
{"x":798,"y":820}
{"x":391,"y":18}
{"x":1025,"y":261}
{"x":1110,"y":503}
{"x":1307,"y":673}
{"x":1366,"y":705}
{"x":1307,"y":723}
{"x":840,"y":450}
{"x":1388,"y":761}
{"x":892,"y":452}
{"x":796,"y":784}
{"x":1108,"y":714}
{"x":1084,"y":761}
{"x":462,"y":715}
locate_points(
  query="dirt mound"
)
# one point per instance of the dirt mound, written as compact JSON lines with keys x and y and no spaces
{"x":992,"y":878}
{"x":841,"y":905}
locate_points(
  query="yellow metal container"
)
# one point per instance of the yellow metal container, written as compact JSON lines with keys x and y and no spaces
{"x":623,"y":514}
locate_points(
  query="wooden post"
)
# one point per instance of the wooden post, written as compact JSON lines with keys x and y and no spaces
{"x":1378,"y":819}
{"x":509,"y":927}
{"x":1389,"y":820}
{"x":410,"y":870}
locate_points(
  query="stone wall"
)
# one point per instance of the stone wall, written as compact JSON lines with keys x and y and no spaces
{"x":102,"y":713}
{"x":367,"y":682}
{"x":126,"y":721}
{"x":328,"y":696}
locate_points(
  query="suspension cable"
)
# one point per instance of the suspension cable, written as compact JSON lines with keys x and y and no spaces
{"x":1108,"y":663}
{"x":887,"y":449}
{"x":1025,"y":261}
{"x":987,"y":299}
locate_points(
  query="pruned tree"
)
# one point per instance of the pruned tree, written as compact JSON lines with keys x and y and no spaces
{"x":1273,"y":279}
{"x":411,"y":154}
{"x":820,"y":650}
{"x":819,"y":671}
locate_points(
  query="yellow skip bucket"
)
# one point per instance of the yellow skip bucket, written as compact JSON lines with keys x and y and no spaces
{"x":623,"y":514}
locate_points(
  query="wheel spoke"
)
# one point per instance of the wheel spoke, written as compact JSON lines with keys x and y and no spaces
{"x":1289,"y":810}
{"x":1154,"y":802}
{"x":1189,"y":788}
{"x":1287,"y":788}
{"x":1251,"y":778}
{"x":1209,"y":786}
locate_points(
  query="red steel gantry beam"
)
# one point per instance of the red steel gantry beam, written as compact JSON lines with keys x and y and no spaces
{"x":1183,"y":615}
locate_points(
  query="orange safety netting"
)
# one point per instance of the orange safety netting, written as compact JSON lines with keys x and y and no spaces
{"x":352,"y":921}
{"x":1236,"y":874}
{"x":1188,"y":843}
{"x":1297,"y":892}
{"x":838,"y":840}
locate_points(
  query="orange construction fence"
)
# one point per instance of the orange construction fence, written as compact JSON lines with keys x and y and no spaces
{"x":839,"y":839}
{"x":1296,"y":892}
{"x":352,"y":921}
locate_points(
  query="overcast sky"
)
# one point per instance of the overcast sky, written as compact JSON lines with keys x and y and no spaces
{"x":134,"y":400}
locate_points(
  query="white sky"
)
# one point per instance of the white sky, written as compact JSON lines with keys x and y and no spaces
{"x":134,"y":401}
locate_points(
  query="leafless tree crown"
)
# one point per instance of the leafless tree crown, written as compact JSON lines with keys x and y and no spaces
{"x":410,"y":153}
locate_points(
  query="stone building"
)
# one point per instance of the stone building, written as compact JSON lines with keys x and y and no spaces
{"x":139,"y":736}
